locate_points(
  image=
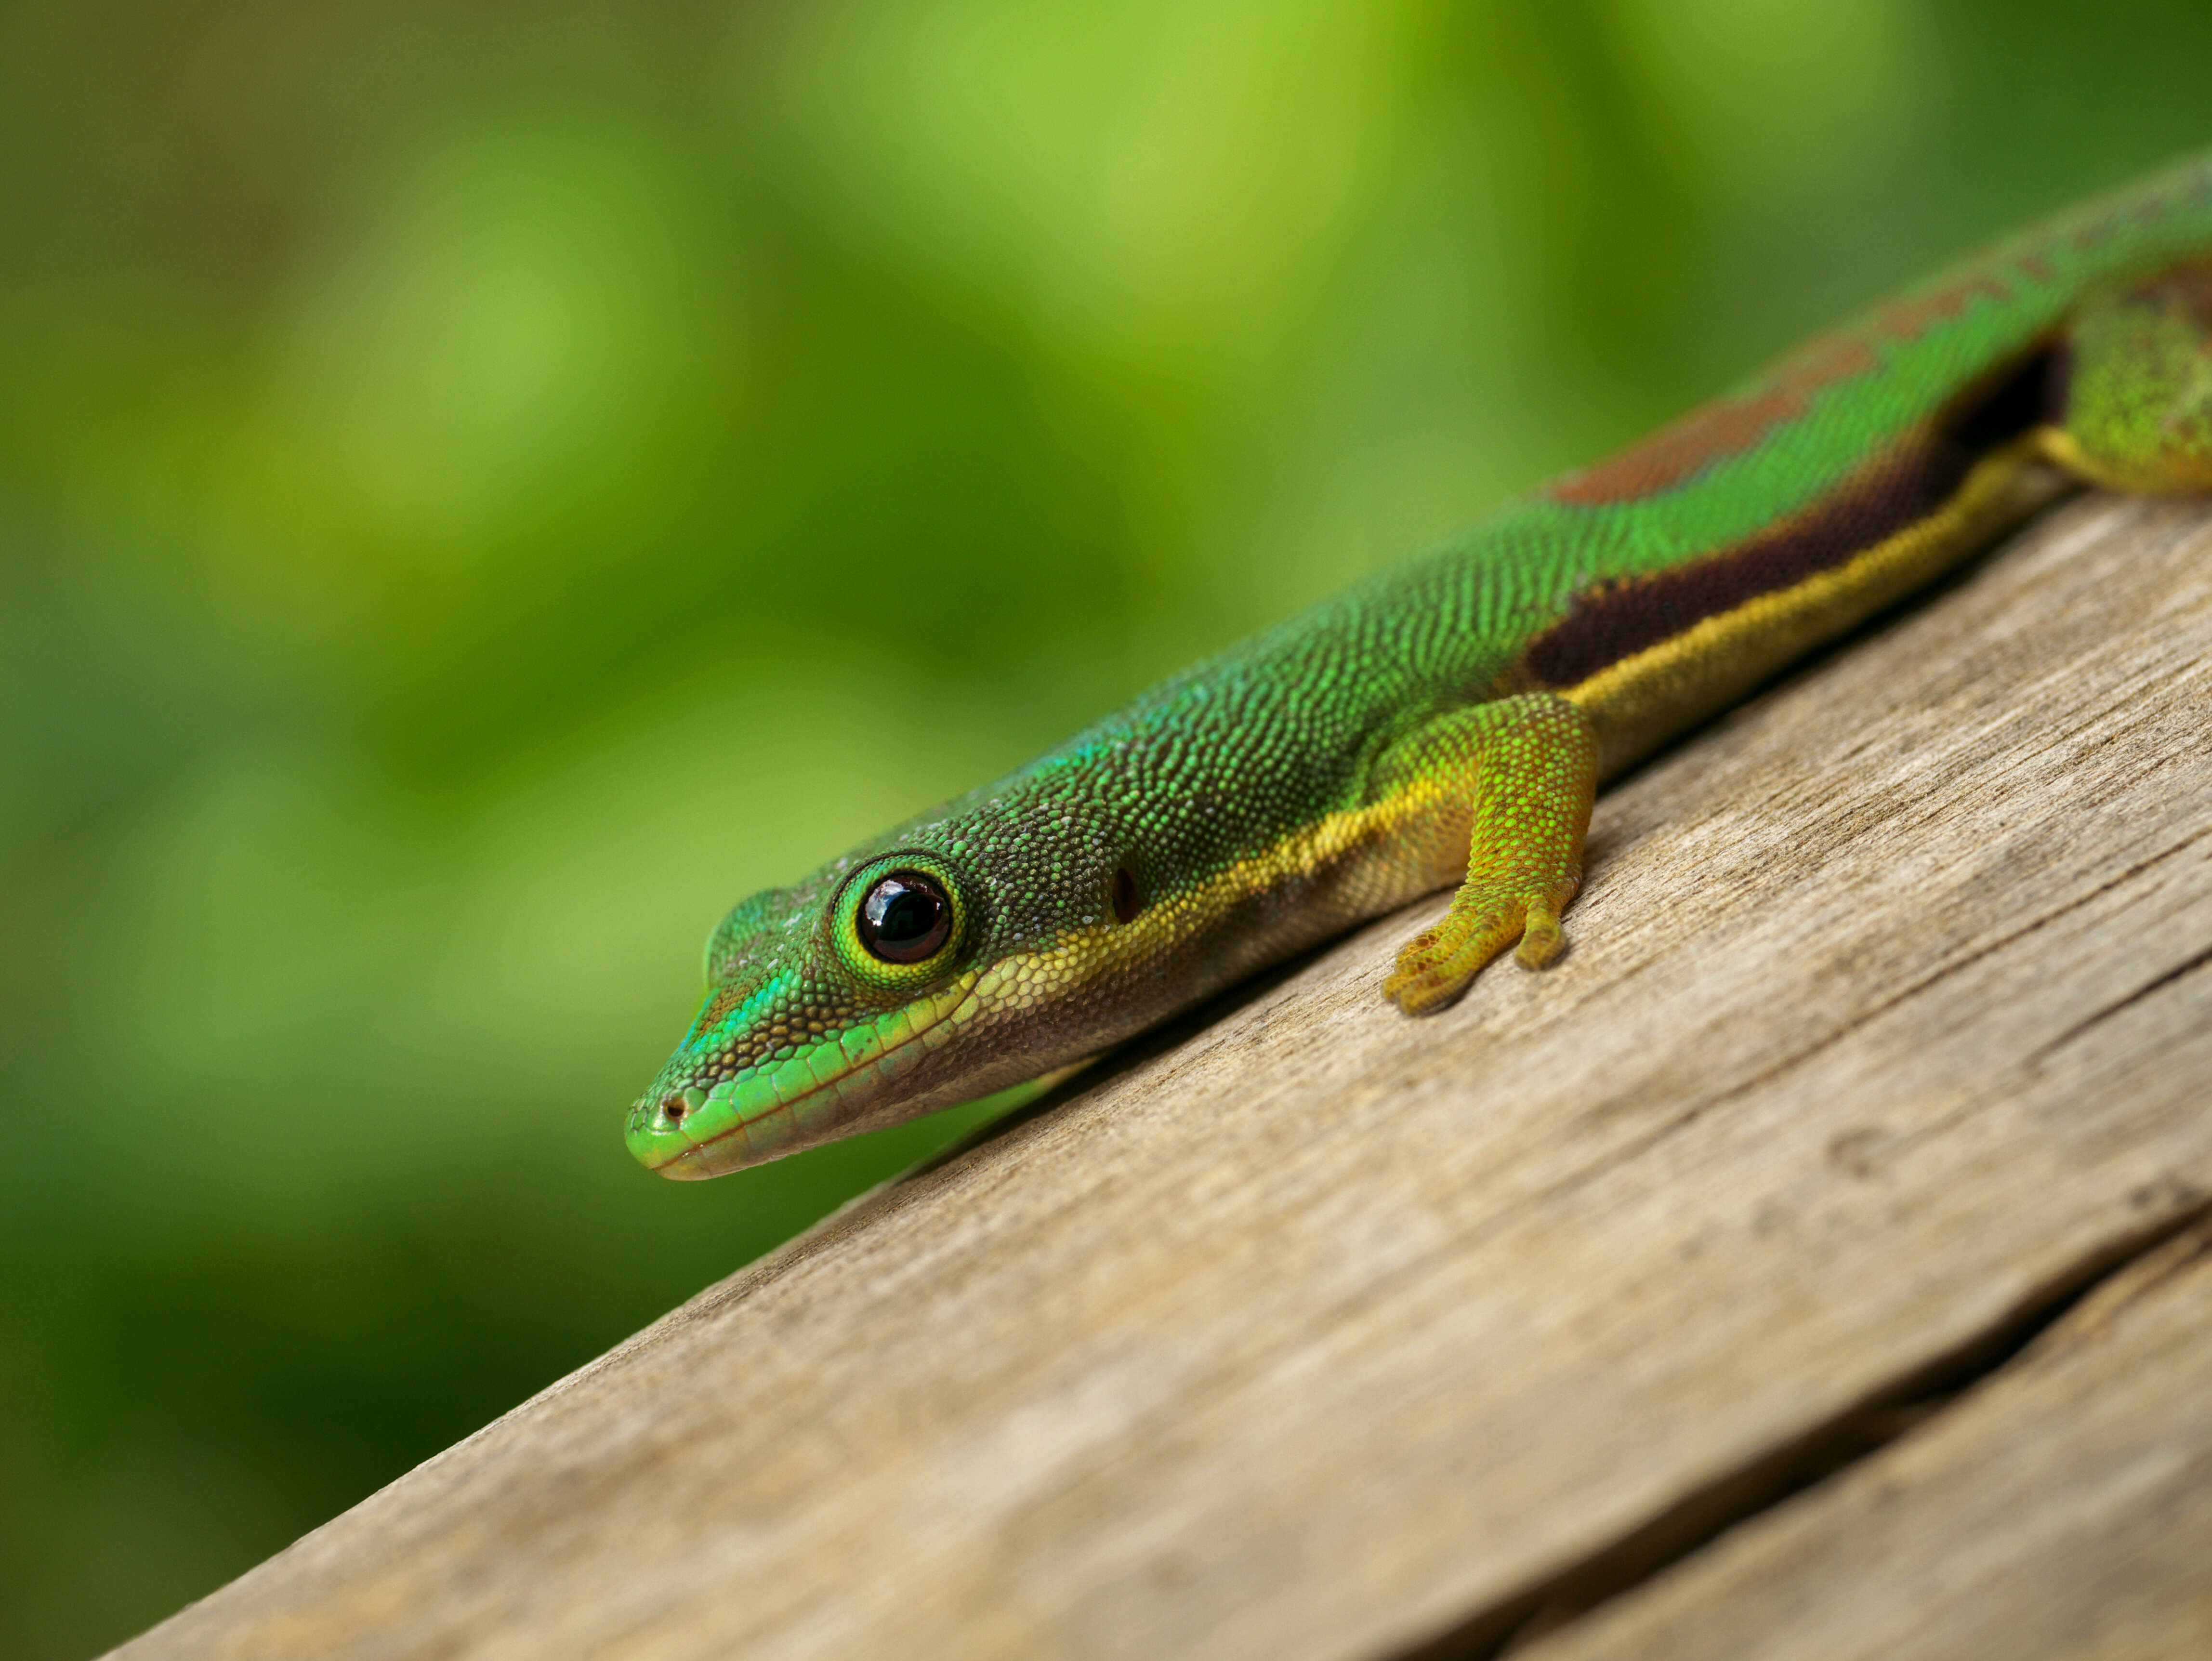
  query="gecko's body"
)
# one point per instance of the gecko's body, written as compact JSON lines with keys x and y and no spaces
{"x":1448,"y":719}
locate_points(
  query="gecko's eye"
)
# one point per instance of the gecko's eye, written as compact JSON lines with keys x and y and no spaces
{"x":900,"y":921}
{"x":905,"y":918}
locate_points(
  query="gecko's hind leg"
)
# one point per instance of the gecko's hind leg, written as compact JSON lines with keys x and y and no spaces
{"x":2137,"y":389}
{"x":1528,"y":767}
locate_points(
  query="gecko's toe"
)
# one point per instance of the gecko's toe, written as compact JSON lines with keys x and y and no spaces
{"x":1540,"y":938}
{"x":1439,"y":964}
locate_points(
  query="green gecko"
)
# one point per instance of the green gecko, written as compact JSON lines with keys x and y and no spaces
{"x":1451,"y":719}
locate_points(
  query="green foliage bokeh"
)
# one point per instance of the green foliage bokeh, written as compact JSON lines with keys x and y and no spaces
{"x":484,"y":488}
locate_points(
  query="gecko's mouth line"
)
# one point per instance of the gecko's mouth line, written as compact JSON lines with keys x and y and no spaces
{"x":784,"y":1108}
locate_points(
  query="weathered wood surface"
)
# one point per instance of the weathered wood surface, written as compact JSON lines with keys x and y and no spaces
{"x":2066,"y":1509}
{"x":1314,"y":1331}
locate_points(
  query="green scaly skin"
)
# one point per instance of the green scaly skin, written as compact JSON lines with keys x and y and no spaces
{"x":1448,"y":719}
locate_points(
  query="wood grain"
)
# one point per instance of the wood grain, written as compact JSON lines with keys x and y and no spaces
{"x":1311,"y":1330}
{"x":2064,"y":1510}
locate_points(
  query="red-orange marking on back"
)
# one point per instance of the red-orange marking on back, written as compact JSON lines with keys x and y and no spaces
{"x":1908,"y":319}
{"x":1727,"y":427}
{"x":1683,"y":448}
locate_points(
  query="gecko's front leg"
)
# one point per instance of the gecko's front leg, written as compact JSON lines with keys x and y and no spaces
{"x":1528,"y":767}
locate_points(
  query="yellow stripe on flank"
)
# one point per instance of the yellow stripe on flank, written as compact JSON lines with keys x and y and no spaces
{"x":1641,"y":702}
{"x":1396,"y":867}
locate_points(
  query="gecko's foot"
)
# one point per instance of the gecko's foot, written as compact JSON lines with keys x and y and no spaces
{"x":1439,"y":963}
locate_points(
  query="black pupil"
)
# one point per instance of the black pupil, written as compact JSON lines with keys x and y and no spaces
{"x":905,"y":918}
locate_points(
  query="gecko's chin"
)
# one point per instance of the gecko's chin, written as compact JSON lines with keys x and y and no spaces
{"x":689,"y":1165}
{"x":689,"y":1141}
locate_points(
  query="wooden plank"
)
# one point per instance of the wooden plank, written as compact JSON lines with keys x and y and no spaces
{"x":2064,"y":1510}
{"x":1314,"y":1331}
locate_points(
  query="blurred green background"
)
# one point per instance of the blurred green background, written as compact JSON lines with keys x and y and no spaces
{"x":484,"y":486}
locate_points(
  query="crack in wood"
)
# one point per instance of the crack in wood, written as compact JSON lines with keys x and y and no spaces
{"x":1696,"y":1522}
{"x":2180,"y":971}
{"x":1914,"y":989}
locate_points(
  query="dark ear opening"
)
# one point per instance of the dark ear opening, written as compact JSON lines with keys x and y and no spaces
{"x":1123,"y":896}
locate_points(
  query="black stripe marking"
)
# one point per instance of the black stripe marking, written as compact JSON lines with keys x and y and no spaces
{"x":1615,"y":620}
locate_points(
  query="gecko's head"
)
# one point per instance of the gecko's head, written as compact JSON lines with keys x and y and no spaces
{"x":831,"y":1008}
{"x":989,"y":943}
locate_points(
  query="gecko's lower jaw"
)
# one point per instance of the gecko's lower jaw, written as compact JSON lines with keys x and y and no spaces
{"x":686,"y":1164}
{"x":662,"y":1147}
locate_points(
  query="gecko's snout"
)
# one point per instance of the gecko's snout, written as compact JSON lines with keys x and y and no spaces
{"x":656,"y":1129}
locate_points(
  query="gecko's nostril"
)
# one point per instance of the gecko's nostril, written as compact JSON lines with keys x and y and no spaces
{"x":673,"y":1107}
